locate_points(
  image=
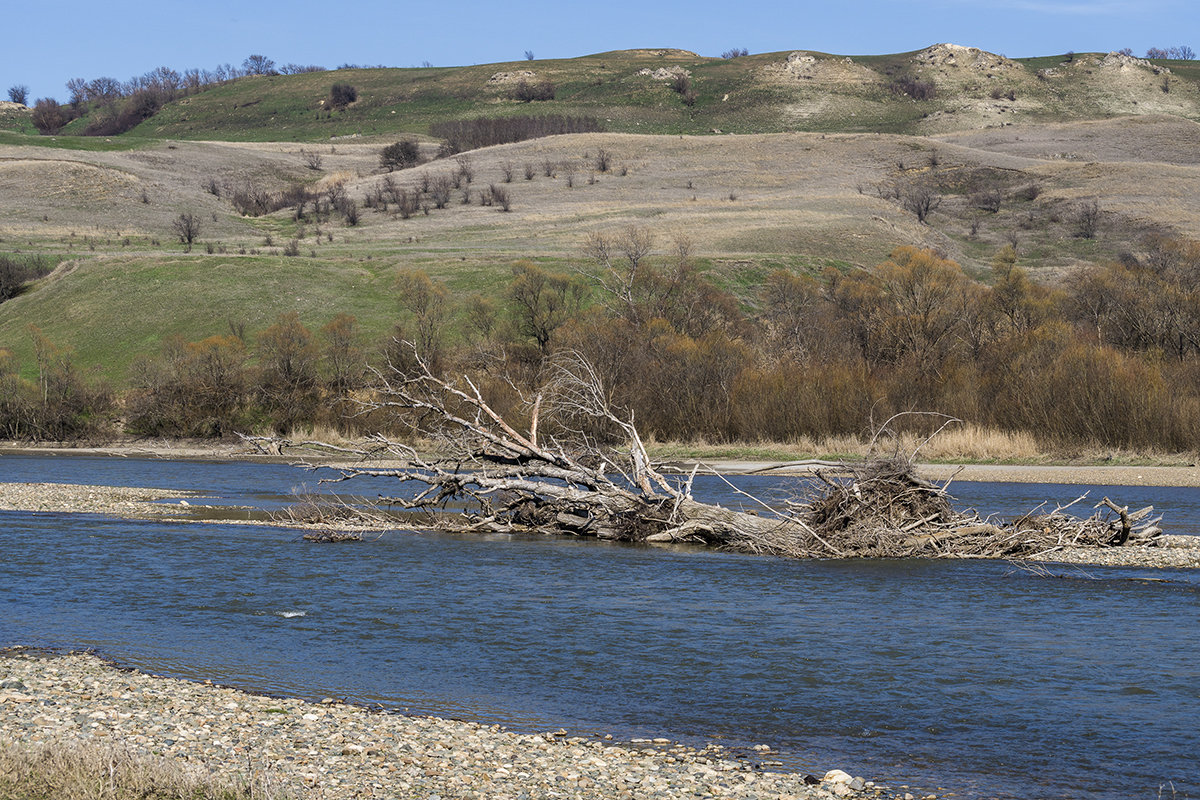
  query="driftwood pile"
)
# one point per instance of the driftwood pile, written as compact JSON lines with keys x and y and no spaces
{"x":488,"y":476}
{"x":883,"y":509}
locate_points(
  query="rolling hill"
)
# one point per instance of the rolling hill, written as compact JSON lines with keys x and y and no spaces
{"x":825,"y":147}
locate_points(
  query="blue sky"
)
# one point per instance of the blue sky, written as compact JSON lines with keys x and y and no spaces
{"x":45,"y":44}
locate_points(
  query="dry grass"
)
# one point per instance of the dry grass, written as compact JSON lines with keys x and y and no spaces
{"x":973,"y":443}
{"x":72,"y":771}
{"x":803,"y":197}
{"x":803,"y":201}
{"x":959,"y":444}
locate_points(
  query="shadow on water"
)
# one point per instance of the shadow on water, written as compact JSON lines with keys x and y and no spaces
{"x":974,"y":676}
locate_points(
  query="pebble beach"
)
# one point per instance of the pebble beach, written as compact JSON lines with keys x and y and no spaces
{"x":331,"y":750}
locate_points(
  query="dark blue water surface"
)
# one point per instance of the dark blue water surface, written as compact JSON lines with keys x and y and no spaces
{"x":972,"y":676}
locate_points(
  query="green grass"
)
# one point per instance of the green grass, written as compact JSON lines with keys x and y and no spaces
{"x":111,"y":310}
{"x":65,"y":142}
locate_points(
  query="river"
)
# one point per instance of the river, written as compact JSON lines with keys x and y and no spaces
{"x":974,"y":677}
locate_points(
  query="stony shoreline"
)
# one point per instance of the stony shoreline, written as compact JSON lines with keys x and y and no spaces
{"x":78,"y":498}
{"x":332,"y":750}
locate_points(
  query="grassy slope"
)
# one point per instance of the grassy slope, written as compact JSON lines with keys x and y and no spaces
{"x":797,"y":207}
{"x":124,"y":307}
{"x":751,"y":94}
{"x":802,"y":201}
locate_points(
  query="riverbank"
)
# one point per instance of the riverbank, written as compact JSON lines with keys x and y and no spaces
{"x":1187,"y":475}
{"x":332,"y":750}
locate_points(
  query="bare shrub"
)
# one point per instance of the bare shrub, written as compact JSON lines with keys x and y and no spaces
{"x":48,"y":116}
{"x":187,"y":227}
{"x":400,"y":155}
{"x":406,"y":203}
{"x":988,"y":199}
{"x":736,"y":52}
{"x":913,"y":87}
{"x":530,"y":172}
{"x":1030,"y":192}
{"x":1087,"y":220}
{"x":548,"y":168}
{"x":462,"y":135}
{"x":440,"y":191}
{"x":506,"y":170}
{"x":501,"y":197}
{"x":254,"y":201}
{"x":466,"y":167}
{"x":342,"y":95}
{"x":528,"y":91}
{"x":603,"y":160}
{"x":312,"y":159}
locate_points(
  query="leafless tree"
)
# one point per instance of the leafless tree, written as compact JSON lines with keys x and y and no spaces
{"x":1087,"y":220}
{"x":921,"y":198}
{"x":617,"y":263}
{"x":187,"y":228}
{"x":258,"y":65}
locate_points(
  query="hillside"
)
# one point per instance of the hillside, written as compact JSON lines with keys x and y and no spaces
{"x":1006,"y":171}
{"x":748,"y":204}
{"x":631,"y":92}
{"x":941,"y":88}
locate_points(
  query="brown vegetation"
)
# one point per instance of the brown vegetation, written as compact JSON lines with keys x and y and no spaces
{"x":462,"y":135}
{"x":1112,"y":360}
{"x":73,"y":771}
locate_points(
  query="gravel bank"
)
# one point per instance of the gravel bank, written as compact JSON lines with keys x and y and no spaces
{"x":70,"y":497}
{"x":333,"y":750}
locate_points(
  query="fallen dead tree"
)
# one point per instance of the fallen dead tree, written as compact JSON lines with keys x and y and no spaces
{"x":883,"y":509}
{"x":579,"y":467}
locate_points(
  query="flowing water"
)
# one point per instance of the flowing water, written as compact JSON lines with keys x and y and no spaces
{"x":973,"y":676}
